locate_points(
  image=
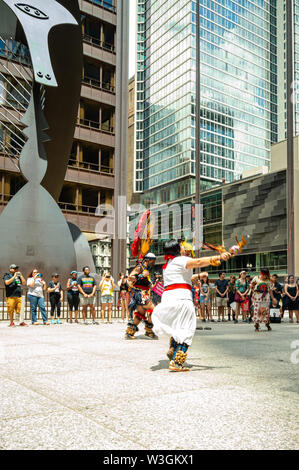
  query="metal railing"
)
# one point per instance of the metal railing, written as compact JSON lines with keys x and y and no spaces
{"x":70,"y":207}
{"x":116,"y":311}
{"x":90,"y":166}
{"x":94,"y":83}
{"x":98,"y":43}
{"x":95,"y":125}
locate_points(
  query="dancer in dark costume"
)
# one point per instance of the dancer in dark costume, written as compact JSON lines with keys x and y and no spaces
{"x":141,"y":306}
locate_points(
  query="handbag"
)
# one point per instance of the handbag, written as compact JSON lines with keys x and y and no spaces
{"x":245,"y":305}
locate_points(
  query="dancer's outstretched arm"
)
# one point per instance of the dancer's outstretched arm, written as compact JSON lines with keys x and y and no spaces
{"x":207,"y":260}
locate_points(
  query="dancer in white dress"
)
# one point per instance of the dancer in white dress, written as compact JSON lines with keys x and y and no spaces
{"x":175,"y":315}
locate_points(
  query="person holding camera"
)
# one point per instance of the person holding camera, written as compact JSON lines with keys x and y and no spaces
{"x":14,"y":281}
{"x":124,"y":297}
{"x":36,"y":286}
{"x":107,"y":287}
{"x":73,"y":295}
{"x":56,"y":297}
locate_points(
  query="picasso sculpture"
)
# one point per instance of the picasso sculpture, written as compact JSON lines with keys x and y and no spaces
{"x":33,"y":230}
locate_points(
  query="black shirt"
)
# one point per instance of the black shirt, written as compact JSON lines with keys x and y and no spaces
{"x":15,"y":288}
{"x":58,"y":289}
{"x":221,"y":286}
{"x":124,"y":286}
{"x":278,"y":287}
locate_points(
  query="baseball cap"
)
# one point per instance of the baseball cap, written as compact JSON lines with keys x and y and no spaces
{"x":150,"y":256}
{"x":55,"y":274}
{"x":74,"y":272}
{"x":13,"y":266}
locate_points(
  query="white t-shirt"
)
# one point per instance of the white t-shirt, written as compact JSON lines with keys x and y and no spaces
{"x":176,"y":273}
{"x":37,"y":290}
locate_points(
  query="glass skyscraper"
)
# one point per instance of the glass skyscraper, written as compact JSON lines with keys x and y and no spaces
{"x":238,"y":93}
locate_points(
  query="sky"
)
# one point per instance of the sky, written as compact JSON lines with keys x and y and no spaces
{"x":132,"y":37}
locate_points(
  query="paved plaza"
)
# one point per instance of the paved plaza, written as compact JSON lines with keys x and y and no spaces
{"x":85,"y":387}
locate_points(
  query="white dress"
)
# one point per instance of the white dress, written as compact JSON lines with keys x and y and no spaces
{"x":175,"y":315}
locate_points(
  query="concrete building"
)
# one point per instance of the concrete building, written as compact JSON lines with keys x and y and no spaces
{"x":132,"y":196}
{"x":238,"y":94}
{"x":254,"y":206}
{"x":97,"y":154}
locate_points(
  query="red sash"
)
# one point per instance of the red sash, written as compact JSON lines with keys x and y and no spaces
{"x":178,"y":286}
{"x":141,"y":287}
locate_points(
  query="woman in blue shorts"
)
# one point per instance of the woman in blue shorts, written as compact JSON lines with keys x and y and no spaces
{"x":205,"y":301}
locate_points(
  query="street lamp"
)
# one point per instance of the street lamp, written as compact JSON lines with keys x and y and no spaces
{"x":197,"y":111}
{"x":290,"y":135}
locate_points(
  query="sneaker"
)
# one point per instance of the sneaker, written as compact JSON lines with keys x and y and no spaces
{"x":46,"y":323}
{"x":70,"y":321}
{"x":12,"y":324}
{"x":95,"y":322}
{"x":76,"y":321}
{"x":173,"y":367}
{"x":35,"y":323}
{"x":59,"y":322}
{"x":236,"y":321}
{"x":53,"y":322}
{"x":23,"y":324}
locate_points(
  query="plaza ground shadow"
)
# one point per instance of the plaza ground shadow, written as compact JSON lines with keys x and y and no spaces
{"x":164,"y":364}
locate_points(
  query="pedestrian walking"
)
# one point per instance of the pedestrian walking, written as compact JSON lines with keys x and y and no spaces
{"x":277,"y":292}
{"x":107,"y":287}
{"x":36,"y":287}
{"x":87,"y":288}
{"x":292,"y":292}
{"x":13,"y":281}
{"x":261,"y":294}
{"x":284,"y":297}
{"x":56,"y":297}
{"x":231,"y":298}
{"x":242,"y":290}
{"x":205,"y":300}
{"x":123,"y":299}
{"x":221,"y":287}
{"x":73,"y":295}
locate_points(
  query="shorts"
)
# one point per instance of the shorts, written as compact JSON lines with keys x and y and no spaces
{"x":87,"y":301}
{"x":204,"y":300}
{"x":107,"y":299}
{"x":73,"y":301}
{"x":221,"y":301}
{"x":13,"y":304}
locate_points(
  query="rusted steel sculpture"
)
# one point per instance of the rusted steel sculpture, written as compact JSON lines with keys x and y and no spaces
{"x":33,"y":230}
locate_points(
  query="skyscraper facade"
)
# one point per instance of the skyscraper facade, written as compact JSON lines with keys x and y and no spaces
{"x":238,"y":70}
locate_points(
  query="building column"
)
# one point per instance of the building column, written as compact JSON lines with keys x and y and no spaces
{"x":101,"y":75}
{"x":119,"y":244}
{"x":102,"y":33}
{"x":2,"y":187}
{"x":78,"y":154}
{"x":100,"y":116}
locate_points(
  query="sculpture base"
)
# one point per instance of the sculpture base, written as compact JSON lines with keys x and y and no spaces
{"x":34,"y":233}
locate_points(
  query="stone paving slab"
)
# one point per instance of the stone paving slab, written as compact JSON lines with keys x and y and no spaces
{"x":85,"y":387}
